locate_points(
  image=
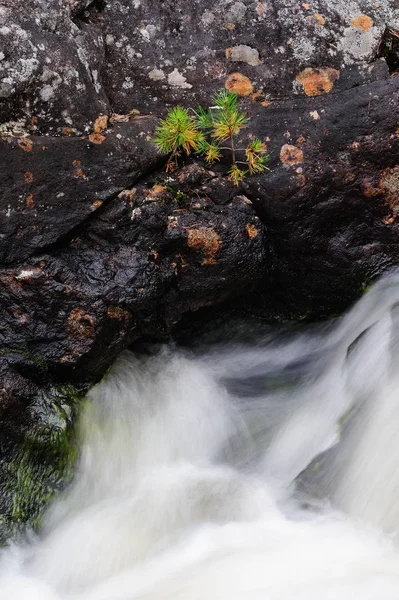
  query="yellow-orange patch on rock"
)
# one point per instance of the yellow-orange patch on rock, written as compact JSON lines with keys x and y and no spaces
{"x":30,"y":202}
{"x":25,"y":144}
{"x":306,"y":6}
{"x":100,"y":124}
{"x":228,"y":52}
{"x":206,"y":240}
{"x":318,"y":81}
{"x":80,"y":324}
{"x":239,"y":84}
{"x":362,"y":22}
{"x":368,"y":188}
{"x":251,"y":230}
{"x":96,"y":138}
{"x":316,"y":20}
{"x":118,"y":313}
{"x":96,"y":204}
{"x":28,"y":177}
{"x":389,"y":188}
{"x":291,"y":155}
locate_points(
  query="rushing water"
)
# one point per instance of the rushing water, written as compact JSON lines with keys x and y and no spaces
{"x":187,"y":487}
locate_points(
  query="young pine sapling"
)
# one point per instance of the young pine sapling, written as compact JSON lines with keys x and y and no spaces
{"x":207,"y":132}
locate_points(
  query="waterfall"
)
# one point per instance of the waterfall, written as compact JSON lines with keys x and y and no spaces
{"x":260,"y":466}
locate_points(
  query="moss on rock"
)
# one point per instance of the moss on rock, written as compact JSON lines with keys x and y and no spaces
{"x":42,"y":465}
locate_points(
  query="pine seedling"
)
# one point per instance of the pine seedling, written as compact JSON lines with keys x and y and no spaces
{"x":221,"y":124}
{"x":179,"y":131}
{"x":206,"y":131}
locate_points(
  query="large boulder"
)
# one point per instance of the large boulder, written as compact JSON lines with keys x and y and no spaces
{"x":99,"y":247}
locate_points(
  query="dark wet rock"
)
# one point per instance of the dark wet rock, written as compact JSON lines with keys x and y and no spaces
{"x":99,"y":247}
{"x":49,"y":185}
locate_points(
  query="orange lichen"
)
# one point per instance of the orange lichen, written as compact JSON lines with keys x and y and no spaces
{"x":80,"y":324}
{"x":239,"y":84}
{"x":316,"y":20}
{"x":306,"y":6}
{"x":157,"y":190}
{"x":67,"y":131}
{"x":228,"y":52}
{"x":30,"y":202}
{"x":301,"y":180}
{"x":100,"y":124}
{"x":25,"y":144}
{"x":129,"y":194}
{"x":76,"y":163}
{"x":79,"y":174}
{"x":118,"y":313}
{"x":251,"y":230}
{"x":96,"y":138}
{"x":206,"y":240}
{"x":96,"y":204}
{"x":362,"y":22}
{"x":301,"y":140}
{"x":259,"y":97}
{"x":317,"y":81}
{"x":28,"y":177}
{"x":389,"y":188}
{"x":230,"y":26}
{"x":291,"y":155}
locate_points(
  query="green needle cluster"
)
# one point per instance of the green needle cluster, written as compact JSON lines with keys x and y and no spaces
{"x":206,"y":131}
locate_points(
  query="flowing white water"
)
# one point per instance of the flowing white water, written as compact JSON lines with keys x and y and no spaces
{"x":184,"y":488}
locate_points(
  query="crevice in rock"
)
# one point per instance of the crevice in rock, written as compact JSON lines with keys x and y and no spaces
{"x":65,"y":239}
{"x":86,"y":14}
{"x":388,"y":49}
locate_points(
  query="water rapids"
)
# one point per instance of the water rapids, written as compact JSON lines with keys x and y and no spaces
{"x":264,"y":466}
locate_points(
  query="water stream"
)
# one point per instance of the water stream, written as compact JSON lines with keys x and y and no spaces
{"x":194,"y":480}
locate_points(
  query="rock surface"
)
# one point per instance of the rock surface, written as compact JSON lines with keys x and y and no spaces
{"x":98,"y":247}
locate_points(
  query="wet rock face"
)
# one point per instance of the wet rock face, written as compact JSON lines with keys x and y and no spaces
{"x":99,"y":247}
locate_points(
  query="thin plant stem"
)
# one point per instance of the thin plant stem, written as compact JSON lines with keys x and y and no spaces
{"x":233,"y":151}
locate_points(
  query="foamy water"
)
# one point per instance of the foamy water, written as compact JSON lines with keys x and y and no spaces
{"x":185,"y":487}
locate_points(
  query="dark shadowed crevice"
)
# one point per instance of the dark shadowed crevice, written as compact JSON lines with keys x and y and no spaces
{"x":389,"y":49}
{"x":87,"y":14}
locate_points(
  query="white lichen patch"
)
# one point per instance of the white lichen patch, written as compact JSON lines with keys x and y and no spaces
{"x":176,"y":79}
{"x":148,"y":33}
{"x":245,"y":54}
{"x":207,"y":18}
{"x":357,"y":44}
{"x":235,"y":13}
{"x":26,"y":274}
{"x":156,"y":75}
{"x":46,"y":93}
{"x":315,"y":115}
